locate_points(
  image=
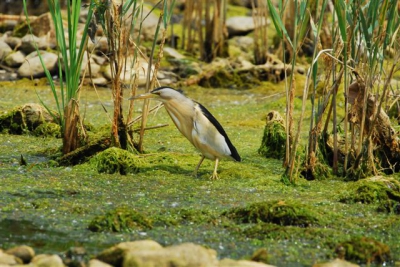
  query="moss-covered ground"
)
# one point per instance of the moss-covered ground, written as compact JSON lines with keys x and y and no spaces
{"x":51,"y":207}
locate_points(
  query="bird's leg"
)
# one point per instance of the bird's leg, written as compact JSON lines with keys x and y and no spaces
{"x":198,"y":166}
{"x":214,"y":176}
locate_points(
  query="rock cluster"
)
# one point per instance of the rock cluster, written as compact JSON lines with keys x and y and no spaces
{"x":136,"y":253}
{"x":19,"y":58}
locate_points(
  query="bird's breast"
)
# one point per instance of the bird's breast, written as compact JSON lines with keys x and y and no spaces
{"x":182,"y":115}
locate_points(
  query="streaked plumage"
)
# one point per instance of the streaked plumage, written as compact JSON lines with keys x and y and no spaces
{"x":197,"y":124}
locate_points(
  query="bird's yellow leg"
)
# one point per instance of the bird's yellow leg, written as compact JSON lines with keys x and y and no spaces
{"x":214,"y":176}
{"x":198,"y":166}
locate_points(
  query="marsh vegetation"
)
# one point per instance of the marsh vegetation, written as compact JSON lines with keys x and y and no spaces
{"x":319,"y":177}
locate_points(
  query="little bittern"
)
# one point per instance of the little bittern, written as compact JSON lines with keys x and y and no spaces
{"x":197,"y":124}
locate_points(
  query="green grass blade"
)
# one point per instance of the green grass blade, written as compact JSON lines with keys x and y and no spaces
{"x":340,"y":9}
{"x":280,"y":28}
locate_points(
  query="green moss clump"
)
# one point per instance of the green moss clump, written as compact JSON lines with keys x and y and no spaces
{"x":116,"y":160}
{"x":48,"y":129}
{"x":364,"y":250}
{"x":273,"y":144}
{"x":13,"y":122}
{"x":221,"y":78}
{"x":24,"y":119}
{"x":381,"y":190}
{"x":120,"y":220}
{"x":277,"y":212}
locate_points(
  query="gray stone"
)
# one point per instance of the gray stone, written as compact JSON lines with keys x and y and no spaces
{"x":33,"y":66}
{"x":13,"y":42}
{"x":94,"y":68}
{"x":5,"y":49}
{"x":14,"y":59}
{"x":241,"y":25}
{"x":173,"y":53}
{"x":129,"y":72}
{"x":100,"y":81}
{"x":30,"y":42}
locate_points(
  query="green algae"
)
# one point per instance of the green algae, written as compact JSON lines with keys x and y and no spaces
{"x":277,"y":212}
{"x":120,"y":220}
{"x":116,"y":160}
{"x":60,"y":202}
{"x":384,"y":191}
{"x":48,"y":130}
{"x":277,"y":232}
{"x":364,"y":250}
{"x":27,"y":118}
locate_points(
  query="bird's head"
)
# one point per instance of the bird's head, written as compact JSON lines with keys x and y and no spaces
{"x":162,"y":94}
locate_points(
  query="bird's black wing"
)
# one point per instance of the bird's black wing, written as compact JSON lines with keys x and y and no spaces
{"x":221,"y":130}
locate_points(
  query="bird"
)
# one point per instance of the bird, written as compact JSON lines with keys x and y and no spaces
{"x":197,"y":124}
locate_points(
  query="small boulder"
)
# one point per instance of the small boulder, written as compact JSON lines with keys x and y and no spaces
{"x":5,"y":49}
{"x":45,"y":260}
{"x":25,"y":253}
{"x":114,"y":255}
{"x":32,"y":66}
{"x":30,"y":42}
{"x":186,"y":254}
{"x":8,"y":259}
{"x":14,"y":59}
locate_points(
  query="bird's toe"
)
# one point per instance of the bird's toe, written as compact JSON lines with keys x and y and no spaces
{"x":214,"y":176}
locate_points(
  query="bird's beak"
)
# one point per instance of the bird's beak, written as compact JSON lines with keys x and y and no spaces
{"x":143,"y":96}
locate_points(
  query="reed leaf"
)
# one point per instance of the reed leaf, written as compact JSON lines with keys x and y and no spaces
{"x":340,"y":7}
{"x":279,"y":26}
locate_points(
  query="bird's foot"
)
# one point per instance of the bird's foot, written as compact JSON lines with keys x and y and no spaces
{"x":214,"y":176}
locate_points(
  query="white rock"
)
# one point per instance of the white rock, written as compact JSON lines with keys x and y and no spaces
{"x":14,"y":59}
{"x":33,"y":66}
{"x":5,"y":49}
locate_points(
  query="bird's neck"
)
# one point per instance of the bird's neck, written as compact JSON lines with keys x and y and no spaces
{"x":182,"y":116}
